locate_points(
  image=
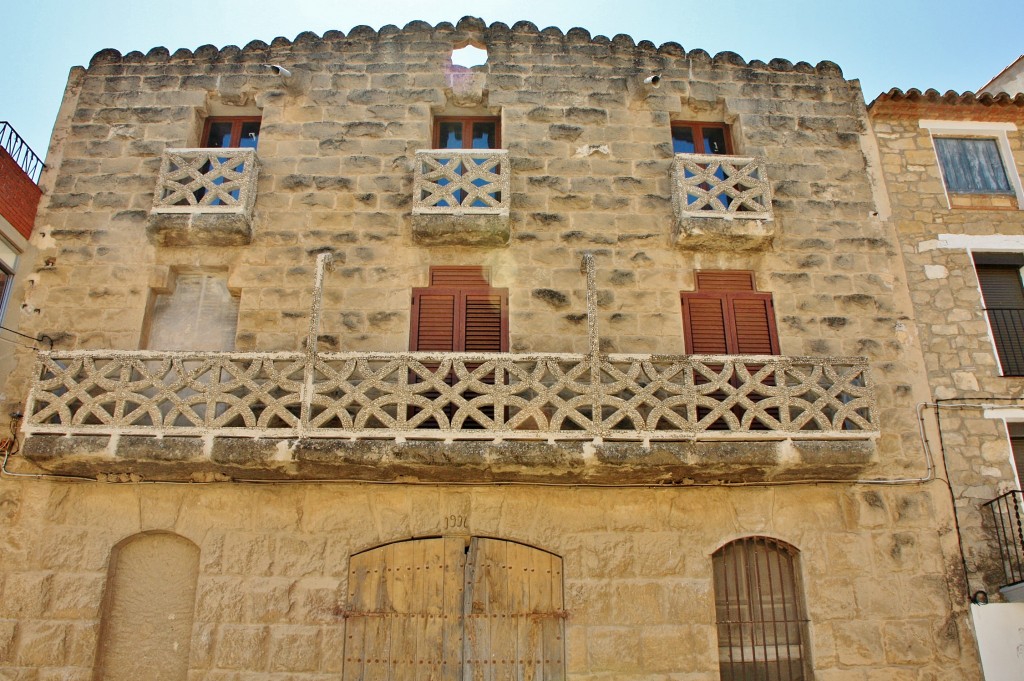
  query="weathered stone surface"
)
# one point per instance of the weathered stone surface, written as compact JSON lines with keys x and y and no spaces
{"x":461,"y":230}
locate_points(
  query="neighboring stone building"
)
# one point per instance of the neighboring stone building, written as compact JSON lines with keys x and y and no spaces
{"x":661,"y":418}
{"x":953,"y":166}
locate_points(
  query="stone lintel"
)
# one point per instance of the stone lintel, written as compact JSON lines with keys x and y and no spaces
{"x":199,"y":229}
{"x":717,"y":233}
{"x":669,"y":463}
{"x":467,"y":229}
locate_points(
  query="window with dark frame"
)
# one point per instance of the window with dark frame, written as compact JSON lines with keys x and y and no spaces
{"x":231,"y":132}
{"x":760,"y":613}
{"x":1002,"y":291}
{"x":459,"y":312}
{"x":726,"y":315}
{"x":701,"y":138}
{"x":972,"y":165}
{"x":6,"y":279}
{"x":467,"y":132}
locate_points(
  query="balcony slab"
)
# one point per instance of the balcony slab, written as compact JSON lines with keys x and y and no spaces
{"x":199,"y":229}
{"x":584,"y":462}
{"x":476,"y":229}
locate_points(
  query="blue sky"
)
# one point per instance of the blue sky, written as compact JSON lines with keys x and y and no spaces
{"x":884,"y":43}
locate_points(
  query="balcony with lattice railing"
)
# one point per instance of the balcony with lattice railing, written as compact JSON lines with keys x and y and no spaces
{"x":722,"y":201}
{"x":204,"y":197}
{"x":472,"y":417}
{"x":461,"y":196}
{"x":275,"y":400}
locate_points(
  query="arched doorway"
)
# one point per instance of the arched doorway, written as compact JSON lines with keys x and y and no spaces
{"x":455,"y":608}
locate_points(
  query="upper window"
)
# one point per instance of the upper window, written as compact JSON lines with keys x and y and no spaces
{"x":8,"y":261}
{"x":459,"y":312}
{"x":198,"y":314}
{"x":999,"y":275}
{"x":972,"y":165}
{"x":726,"y":315}
{"x":976,"y":164}
{"x":467,"y":132}
{"x":760,"y":612}
{"x":701,"y":138}
{"x":231,"y":132}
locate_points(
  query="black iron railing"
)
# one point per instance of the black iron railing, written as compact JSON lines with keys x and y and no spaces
{"x":1007,"y":515}
{"x":20,"y":151}
{"x":1008,"y":332}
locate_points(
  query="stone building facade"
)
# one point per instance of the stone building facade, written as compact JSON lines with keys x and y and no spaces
{"x":952,"y":164}
{"x":667,"y":374}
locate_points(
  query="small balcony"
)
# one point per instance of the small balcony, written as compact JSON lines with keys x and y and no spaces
{"x":204,"y":197}
{"x":461,"y":196}
{"x":721,"y":202}
{"x":20,"y":170}
{"x":1008,"y":521}
{"x":451,"y":416}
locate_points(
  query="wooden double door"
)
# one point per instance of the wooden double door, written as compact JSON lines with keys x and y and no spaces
{"x":455,"y":608}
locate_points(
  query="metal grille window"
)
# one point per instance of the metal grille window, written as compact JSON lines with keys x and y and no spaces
{"x":972,"y":165}
{"x":760,"y":612}
{"x":999,"y":276}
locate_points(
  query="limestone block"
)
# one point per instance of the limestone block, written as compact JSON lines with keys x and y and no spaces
{"x":461,"y":230}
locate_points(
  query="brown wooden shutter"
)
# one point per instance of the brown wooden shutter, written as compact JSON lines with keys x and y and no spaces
{"x":704,"y":324}
{"x":753,"y":319}
{"x":486,"y":320}
{"x":725,"y":280}
{"x":727,"y":316}
{"x":460,"y":276}
{"x":434,"y":319}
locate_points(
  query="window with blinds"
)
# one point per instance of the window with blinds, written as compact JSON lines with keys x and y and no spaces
{"x":459,"y":312}
{"x":972,"y":165}
{"x":759,"y":609}
{"x":727,"y":316}
{"x":999,"y":276}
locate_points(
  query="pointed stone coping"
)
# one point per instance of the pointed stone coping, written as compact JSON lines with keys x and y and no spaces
{"x":662,"y":463}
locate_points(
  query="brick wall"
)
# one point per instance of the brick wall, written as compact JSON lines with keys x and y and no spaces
{"x":19,"y":195}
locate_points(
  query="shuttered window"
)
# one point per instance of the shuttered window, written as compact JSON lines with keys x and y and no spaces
{"x":1003,"y":295}
{"x":760,"y":612}
{"x":726,"y":316}
{"x":972,"y":165}
{"x":453,"y":608}
{"x":459,"y":312}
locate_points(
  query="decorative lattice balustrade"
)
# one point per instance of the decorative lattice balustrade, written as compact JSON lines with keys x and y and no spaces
{"x":716,"y":186}
{"x":206,"y":181}
{"x":461,"y":181}
{"x":451,"y":396}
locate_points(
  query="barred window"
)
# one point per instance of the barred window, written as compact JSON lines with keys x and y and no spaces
{"x":760,"y":612}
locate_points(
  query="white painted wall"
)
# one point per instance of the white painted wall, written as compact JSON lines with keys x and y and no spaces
{"x":1000,"y":630}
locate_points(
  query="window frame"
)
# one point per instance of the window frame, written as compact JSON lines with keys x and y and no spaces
{"x":467,"y":130}
{"x":460,"y":295}
{"x":1013,"y":261}
{"x":728,"y":287}
{"x":996,"y":131}
{"x":745,"y":592}
{"x":236,"y":129}
{"x":698,"y":136}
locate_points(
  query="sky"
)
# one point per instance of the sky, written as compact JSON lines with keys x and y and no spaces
{"x":884,"y":43}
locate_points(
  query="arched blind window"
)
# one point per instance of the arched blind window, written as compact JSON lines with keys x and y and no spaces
{"x":760,"y":612}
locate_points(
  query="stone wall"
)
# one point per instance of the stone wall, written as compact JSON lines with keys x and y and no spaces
{"x":591,"y":152}
{"x":962,"y":366}
{"x":637,"y":571}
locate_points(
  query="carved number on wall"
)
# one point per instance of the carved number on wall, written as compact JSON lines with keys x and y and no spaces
{"x":456,"y":521}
